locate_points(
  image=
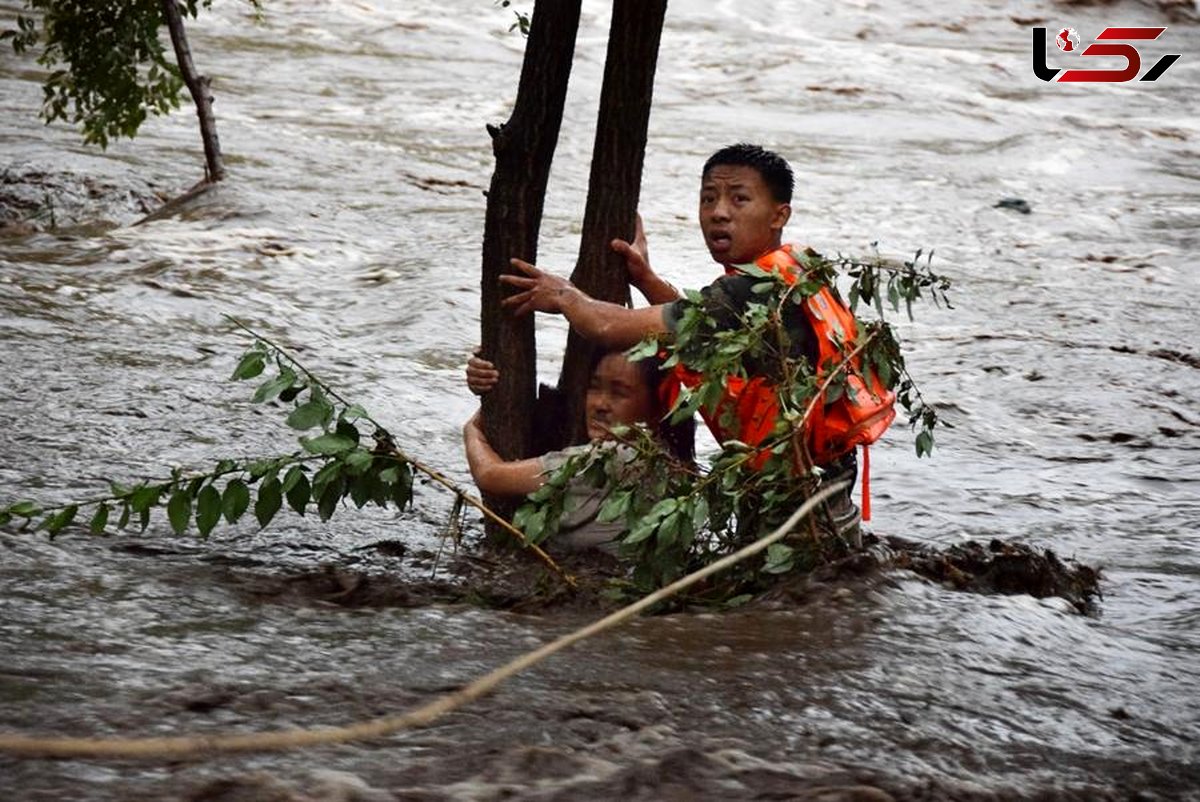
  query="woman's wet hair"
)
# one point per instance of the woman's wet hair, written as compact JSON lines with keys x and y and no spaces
{"x":679,"y":438}
{"x":774,"y":169}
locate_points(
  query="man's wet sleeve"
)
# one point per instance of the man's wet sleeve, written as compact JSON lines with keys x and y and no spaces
{"x":672,"y":313}
{"x":723,"y":301}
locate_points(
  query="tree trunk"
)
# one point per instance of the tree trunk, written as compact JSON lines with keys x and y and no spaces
{"x":524,"y":149}
{"x":198,"y":86}
{"x":615,"y":181}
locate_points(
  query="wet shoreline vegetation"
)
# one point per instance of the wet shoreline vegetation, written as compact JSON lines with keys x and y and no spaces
{"x":508,"y":580}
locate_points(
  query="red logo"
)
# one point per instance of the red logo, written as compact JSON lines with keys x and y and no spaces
{"x":1110,"y":42}
{"x":1067,"y":40}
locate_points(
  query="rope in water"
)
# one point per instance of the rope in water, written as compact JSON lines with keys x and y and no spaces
{"x":201,"y":746}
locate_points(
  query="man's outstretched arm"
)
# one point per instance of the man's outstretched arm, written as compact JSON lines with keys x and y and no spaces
{"x":608,"y":325}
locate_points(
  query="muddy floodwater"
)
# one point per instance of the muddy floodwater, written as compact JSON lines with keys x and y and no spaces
{"x":350,"y":229}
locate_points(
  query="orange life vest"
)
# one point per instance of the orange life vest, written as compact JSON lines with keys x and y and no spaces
{"x":859,"y":416}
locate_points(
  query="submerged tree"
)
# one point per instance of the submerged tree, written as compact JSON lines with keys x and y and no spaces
{"x":614,"y":186}
{"x":524,"y":149}
{"x":110,"y":70}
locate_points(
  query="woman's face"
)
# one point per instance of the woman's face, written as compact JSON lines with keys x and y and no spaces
{"x":617,"y":394}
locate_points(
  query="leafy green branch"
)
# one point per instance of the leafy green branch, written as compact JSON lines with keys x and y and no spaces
{"x":877,"y":278}
{"x":109,"y":68}
{"x":871,"y":282}
{"x":337,"y":461}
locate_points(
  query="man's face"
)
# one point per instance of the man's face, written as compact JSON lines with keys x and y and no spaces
{"x":739,"y":218}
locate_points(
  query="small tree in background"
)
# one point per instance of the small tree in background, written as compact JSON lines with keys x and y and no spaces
{"x":110,"y":70}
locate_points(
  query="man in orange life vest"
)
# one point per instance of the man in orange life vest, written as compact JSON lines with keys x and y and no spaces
{"x":745,"y":201}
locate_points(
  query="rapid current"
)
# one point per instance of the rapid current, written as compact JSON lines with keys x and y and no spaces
{"x":350,"y":228}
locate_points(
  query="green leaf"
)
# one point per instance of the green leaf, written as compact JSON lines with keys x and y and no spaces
{"x":362,"y":489}
{"x":663,"y":508}
{"x":646,"y":348}
{"x":270,"y":499}
{"x":615,"y":506}
{"x":358,"y":461}
{"x":56,"y":523}
{"x":751,"y":269}
{"x":534,"y":524}
{"x":780,"y":559}
{"x":310,"y":414}
{"x":235,"y":500}
{"x":380,"y":490}
{"x":26,"y":509}
{"x":124,"y":519}
{"x":208,"y":509}
{"x":883,"y":368}
{"x":260,"y":468}
{"x":327,"y":444}
{"x":179,"y":510}
{"x":668,"y":532}
{"x":143,"y":498}
{"x":353,"y":412}
{"x":402,"y":488}
{"x":5,"y":518}
{"x":521,"y":516}
{"x":332,"y":469}
{"x":294,"y":474}
{"x":314,"y":412}
{"x":298,"y":492}
{"x":269,"y":389}
{"x":251,"y":364}
{"x":644,"y":529}
{"x":330,"y":496}
{"x":686,"y":405}
{"x":924,"y":444}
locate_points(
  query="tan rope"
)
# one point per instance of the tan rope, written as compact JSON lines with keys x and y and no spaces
{"x":198,"y":746}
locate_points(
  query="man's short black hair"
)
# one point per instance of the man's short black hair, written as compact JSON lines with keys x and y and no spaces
{"x":774,"y":169}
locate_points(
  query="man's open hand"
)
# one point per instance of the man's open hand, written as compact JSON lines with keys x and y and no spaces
{"x":539,"y":291}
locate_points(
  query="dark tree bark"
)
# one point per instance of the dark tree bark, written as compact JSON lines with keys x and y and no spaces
{"x":199,"y":87}
{"x":615,"y":181}
{"x":524,"y":149}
